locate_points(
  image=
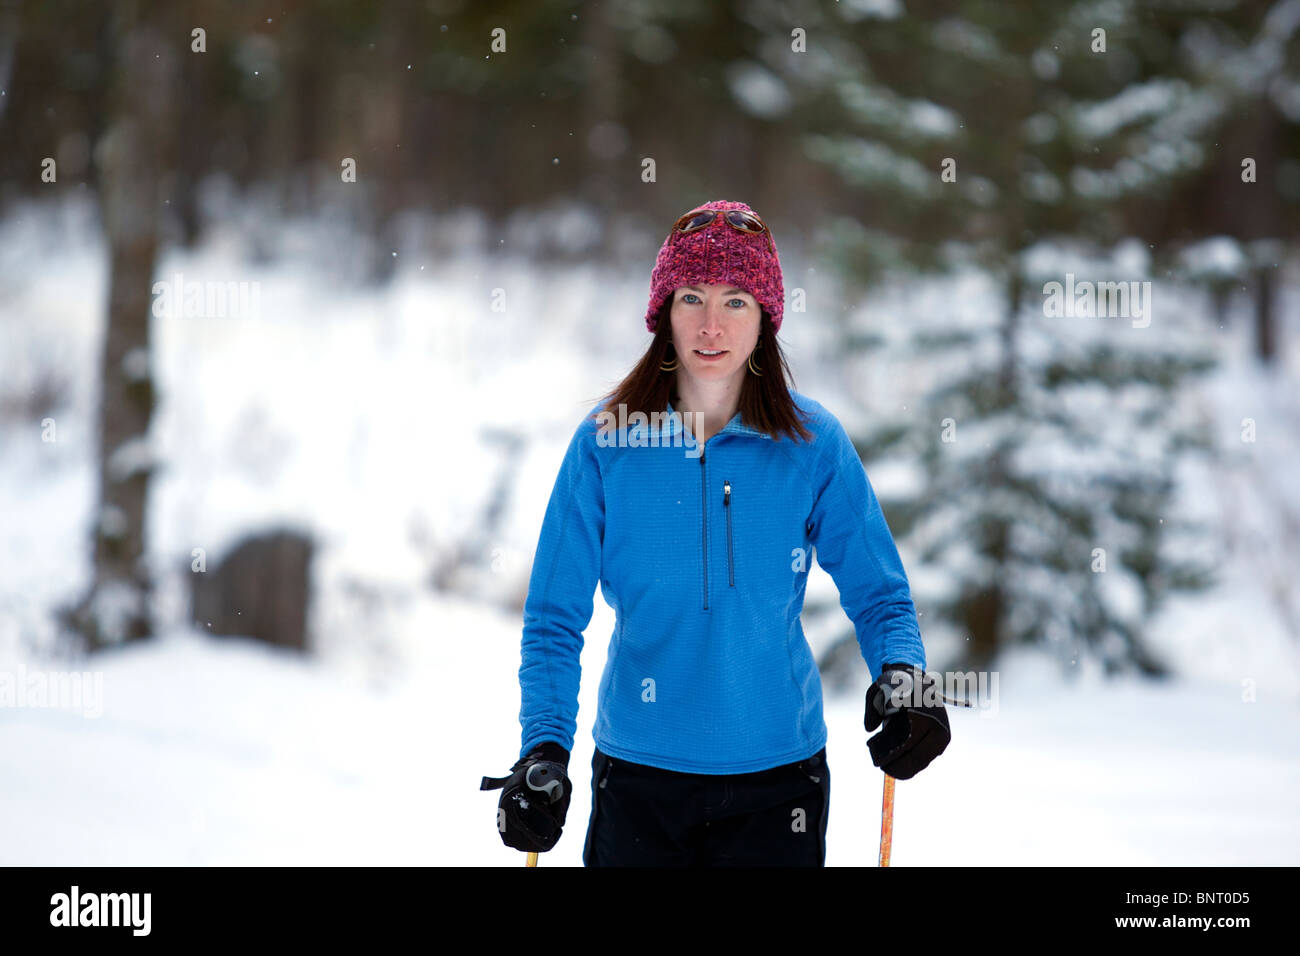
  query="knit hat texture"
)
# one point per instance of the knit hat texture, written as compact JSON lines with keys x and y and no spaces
{"x":719,"y":253}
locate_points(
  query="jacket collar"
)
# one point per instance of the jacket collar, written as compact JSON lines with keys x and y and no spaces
{"x":673,"y":424}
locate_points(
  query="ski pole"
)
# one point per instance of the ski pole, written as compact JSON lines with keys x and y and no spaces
{"x":532,"y":860}
{"x":887,"y":821}
{"x":887,"y":804}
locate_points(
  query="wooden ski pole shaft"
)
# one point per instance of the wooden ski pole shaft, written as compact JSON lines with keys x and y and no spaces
{"x":532,"y":860}
{"x":887,"y":821}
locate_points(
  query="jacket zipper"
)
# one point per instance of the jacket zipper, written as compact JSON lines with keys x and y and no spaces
{"x":726,"y":506}
{"x":704,"y":529}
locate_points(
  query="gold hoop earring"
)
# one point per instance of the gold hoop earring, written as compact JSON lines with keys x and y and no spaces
{"x":670,"y":368}
{"x":756,"y":371}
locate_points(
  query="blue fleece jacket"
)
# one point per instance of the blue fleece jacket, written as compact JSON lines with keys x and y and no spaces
{"x":703,"y":552}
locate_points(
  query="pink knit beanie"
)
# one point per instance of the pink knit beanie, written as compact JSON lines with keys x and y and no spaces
{"x":719,"y":253}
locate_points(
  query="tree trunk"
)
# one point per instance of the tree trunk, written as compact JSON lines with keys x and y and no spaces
{"x":134,"y":156}
{"x":984,"y":611}
{"x":604,"y":139}
{"x":192,"y":151}
{"x":1265,"y":318}
{"x":9,"y":10}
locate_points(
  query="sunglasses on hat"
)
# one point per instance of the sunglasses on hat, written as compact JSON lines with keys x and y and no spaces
{"x":738,"y":219}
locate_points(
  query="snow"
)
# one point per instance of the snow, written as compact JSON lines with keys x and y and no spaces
{"x":1105,"y":118}
{"x":130,"y":458}
{"x":931,"y":119}
{"x":758,"y":90}
{"x":884,"y":109}
{"x":135,"y":364}
{"x":361,"y":416}
{"x":1218,"y":256}
{"x":112,"y":608}
{"x":867,"y":163}
{"x":227,"y":752}
{"x":966,"y":38}
{"x":854,"y":10}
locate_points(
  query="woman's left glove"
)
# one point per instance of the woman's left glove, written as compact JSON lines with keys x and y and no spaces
{"x":908,"y":702}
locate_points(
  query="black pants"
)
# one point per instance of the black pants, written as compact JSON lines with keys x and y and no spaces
{"x":647,"y":816}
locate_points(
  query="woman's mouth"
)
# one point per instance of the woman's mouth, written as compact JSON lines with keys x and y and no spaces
{"x":710,"y":355}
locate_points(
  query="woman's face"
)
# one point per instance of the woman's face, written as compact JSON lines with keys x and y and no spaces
{"x":714,"y":318}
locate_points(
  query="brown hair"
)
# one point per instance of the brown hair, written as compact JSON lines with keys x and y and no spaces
{"x":765,"y":400}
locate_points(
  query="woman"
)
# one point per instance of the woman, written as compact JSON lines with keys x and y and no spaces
{"x":699,"y":525}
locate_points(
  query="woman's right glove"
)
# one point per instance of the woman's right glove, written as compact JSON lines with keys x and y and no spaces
{"x":916,"y":729}
{"x":534,"y":798}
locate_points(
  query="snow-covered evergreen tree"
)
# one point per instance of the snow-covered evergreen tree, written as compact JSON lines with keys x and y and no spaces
{"x":1049,"y":435}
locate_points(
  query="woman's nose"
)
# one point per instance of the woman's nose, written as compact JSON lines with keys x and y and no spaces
{"x":713,"y":317}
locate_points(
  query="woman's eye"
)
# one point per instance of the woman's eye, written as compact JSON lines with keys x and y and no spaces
{"x":691,"y":295}
{"x":687,"y":297}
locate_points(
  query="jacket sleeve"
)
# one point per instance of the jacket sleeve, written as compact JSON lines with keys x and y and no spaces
{"x":853,"y":543}
{"x":566,"y":570}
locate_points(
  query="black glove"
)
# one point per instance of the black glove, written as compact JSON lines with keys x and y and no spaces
{"x":534,"y":798}
{"x":916,"y":725}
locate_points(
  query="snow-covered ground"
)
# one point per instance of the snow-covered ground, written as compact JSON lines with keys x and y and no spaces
{"x":211,"y":752}
{"x":360,"y":415}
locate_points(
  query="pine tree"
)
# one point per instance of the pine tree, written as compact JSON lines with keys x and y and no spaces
{"x":1048,"y":443}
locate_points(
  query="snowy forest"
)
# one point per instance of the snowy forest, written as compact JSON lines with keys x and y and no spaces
{"x":300,"y":304}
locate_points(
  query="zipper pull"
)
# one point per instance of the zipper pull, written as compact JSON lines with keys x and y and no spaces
{"x":726,"y":493}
